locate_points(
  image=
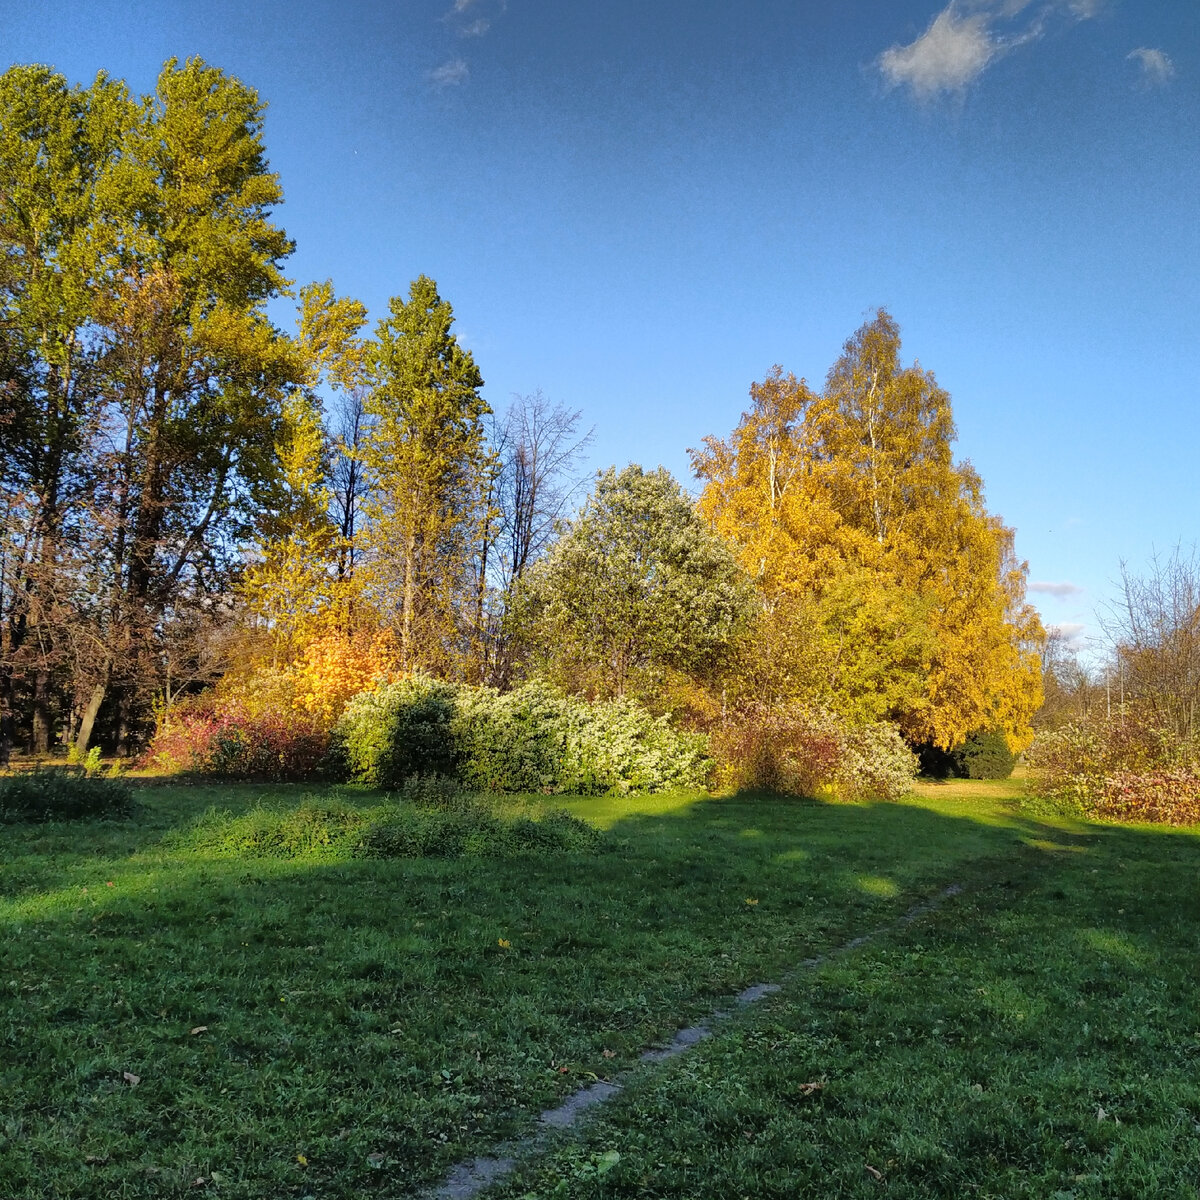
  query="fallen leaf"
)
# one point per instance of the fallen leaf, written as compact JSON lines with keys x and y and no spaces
{"x":607,"y":1161}
{"x":610,"y":1054}
{"x":807,"y":1089}
{"x":1100,"y":1114}
{"x":130,"y":1078}
{"x":302,"y":1160}
{"x":876,"y":1175}
{"x":95,"y":1160}
{"x":200,"y":1181}
{"x":198,"y":1029}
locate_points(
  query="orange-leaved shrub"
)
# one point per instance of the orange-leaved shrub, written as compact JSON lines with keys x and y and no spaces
{"x":334,"y":667}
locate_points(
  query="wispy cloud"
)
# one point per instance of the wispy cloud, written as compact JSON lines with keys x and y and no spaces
{"x":1059,"y":590}
{"x":1155,"y":67}
{"x":473,"y":18}
{"x":450,"y":74}
{"x":965,"y":38}
{"x":1069,"y":632}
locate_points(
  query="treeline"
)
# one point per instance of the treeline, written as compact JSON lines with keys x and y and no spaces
{"x":193,"y":497}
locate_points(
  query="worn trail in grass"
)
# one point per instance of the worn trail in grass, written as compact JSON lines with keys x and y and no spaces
{"x":348,"y":1028}
{"x":1038,"y":1037}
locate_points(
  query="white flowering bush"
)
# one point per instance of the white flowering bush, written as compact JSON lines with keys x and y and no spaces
{"x":533,"y":739}
{"x":876,"y":762}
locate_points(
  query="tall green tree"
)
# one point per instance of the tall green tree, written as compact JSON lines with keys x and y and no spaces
{"x":196,"y":373}
{"x":430,"y":472}
{"x":59,"y":149}
{"x":140,"y":254}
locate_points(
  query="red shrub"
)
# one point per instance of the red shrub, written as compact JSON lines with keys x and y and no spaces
{"x":1167,"y":797}
{"x":233,"y":744}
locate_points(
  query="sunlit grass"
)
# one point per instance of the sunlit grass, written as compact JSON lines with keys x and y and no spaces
{"x":380,"y":1019}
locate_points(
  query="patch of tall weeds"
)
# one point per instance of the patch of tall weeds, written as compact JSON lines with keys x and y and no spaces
{"x":63,"y":794}
{"x":1127,"y":768}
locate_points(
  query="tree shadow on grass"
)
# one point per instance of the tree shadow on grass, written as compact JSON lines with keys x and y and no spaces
{"x":407,"y":1000}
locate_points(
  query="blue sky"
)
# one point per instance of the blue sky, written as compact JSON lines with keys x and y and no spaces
{"x":640,"y":207}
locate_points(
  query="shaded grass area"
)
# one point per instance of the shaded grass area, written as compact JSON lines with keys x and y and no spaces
{"x":347,"y":1028}
{"x":1038,"y":1037}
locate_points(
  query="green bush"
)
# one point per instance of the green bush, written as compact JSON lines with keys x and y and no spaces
{"x":534,"y":739}
{"x":314,"y":829}
{"x":983,"y":755}
{"x":397,"y":731}
{"x":474,"y":831}
{"x":875,"y":763}
{"x":63,"y":794}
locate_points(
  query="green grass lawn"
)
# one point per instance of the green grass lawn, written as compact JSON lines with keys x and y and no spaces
{"x":353,"y":1028}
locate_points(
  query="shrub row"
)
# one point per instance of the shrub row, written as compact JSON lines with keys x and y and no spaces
{"x":63,"y":794}
{"x":806,"y":752}
{"x":1128,"y":768}
{"x":533,"y":739}
{"x":320,"y":830}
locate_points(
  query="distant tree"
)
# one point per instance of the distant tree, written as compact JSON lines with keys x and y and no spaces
{"x":1071,"y":691}
{"x":636,"y":584}
{"x":538,"y":446}
{"x":338,"y":357}
{"x":430,"y":474}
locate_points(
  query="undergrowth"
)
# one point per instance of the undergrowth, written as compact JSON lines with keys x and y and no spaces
{"x":324,"y":830}
{"x":62,"y":794}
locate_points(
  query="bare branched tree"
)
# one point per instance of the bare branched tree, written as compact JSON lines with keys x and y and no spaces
{"x":1154,"y":627}
{"x":539,"y":448}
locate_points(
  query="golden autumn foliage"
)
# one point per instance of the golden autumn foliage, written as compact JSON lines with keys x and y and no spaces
{"x":334,"y":667}
{"x":887,"y":590}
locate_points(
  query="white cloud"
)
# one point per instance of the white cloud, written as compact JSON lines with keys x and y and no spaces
{"x":951,"y":53}
{"x":450,"y":74}
{"x":476,"y":28}
{"x":1156,"y":67}
{"x":965,"y":38}
{"x":1059,"y":590}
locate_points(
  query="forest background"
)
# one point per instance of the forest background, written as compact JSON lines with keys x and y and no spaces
{"x":193,"y":496}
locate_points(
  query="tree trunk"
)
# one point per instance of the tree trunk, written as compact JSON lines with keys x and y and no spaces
{"x":406,"y":614}
{"x":89,"y":717}
{"x":41,"y":712}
